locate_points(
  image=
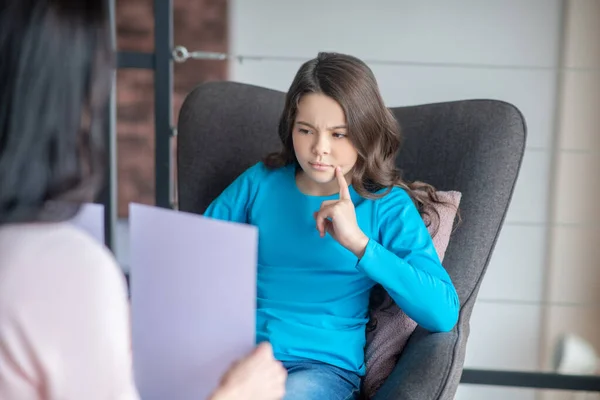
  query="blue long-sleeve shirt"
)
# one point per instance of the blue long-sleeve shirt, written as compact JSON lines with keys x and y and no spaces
{"x":312,"y":293}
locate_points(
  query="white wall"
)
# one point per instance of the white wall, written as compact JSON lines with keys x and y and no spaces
{"x":430,"y":51}
{"x":573,"y":252}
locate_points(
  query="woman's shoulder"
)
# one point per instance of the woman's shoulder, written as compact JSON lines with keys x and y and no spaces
{"x":58,"y":254}
{"x":62,"y":290}
{"x":52,"y":237}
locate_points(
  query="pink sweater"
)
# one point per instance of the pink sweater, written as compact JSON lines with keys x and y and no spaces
{"x":64,"y":323}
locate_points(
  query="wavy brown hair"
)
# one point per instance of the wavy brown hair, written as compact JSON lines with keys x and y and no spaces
{"x":372,"y":128}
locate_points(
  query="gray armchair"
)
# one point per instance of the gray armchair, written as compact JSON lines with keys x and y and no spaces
{"x":473,"y":146}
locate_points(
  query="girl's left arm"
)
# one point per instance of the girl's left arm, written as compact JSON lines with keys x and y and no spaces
{"x":405,"y":263}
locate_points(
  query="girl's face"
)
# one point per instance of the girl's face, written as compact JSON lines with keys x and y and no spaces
{"x":320,"y":143}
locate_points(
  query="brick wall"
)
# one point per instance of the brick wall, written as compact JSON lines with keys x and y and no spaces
{"x":198,"y":25}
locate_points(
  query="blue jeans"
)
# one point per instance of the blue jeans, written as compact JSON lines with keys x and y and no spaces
{"x":312,"y":380}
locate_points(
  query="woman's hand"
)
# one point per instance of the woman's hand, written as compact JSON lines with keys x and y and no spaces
{"x":258,"y":376}
{"x":338,"y":218}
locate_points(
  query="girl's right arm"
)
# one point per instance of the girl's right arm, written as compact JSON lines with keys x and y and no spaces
{"x":235,"y":201}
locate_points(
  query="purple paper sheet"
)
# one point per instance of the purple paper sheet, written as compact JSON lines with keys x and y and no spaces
{"x":90,"y":218}
{"x":193,"y":299}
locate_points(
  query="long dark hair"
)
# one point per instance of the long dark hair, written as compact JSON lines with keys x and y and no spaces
{"x":55,"y":70}
{"x":372,"y":128}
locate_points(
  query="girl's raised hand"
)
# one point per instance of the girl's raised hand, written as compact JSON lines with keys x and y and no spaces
{"x":338,"y":218}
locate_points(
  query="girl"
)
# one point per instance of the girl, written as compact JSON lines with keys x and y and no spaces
{"x":334,"y":219}
{"x":64,"y":326}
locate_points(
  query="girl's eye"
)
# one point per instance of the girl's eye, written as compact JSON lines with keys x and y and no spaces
{"x":303,"y":131}
{"x":339,"y":135}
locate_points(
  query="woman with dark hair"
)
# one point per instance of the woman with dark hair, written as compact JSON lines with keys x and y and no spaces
{"x":335,"y":219}
{"x":64,"y":324}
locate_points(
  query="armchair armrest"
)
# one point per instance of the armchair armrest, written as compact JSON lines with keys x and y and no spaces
{"x":428,"y":369}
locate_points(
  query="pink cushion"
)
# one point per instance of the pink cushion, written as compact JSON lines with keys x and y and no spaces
{"x":394,"y":327}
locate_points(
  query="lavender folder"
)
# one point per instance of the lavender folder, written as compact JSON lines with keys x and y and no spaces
{"x":90,"y":218}
{"x":193,"y":300}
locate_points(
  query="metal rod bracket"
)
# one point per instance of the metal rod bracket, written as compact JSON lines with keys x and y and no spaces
{"x":181,"y":55}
